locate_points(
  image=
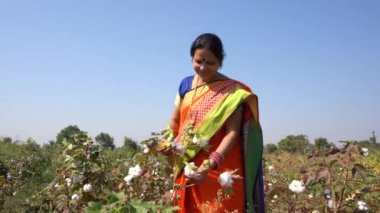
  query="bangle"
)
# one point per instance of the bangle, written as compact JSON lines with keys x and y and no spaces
{"x":217,"y":158}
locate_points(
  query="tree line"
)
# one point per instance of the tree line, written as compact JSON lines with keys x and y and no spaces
{"x":301,"y":144}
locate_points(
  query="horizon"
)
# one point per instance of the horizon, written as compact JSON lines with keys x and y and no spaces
{"x":115,"y":67}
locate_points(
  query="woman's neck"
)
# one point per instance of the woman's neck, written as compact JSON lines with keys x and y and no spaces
{"x":200,"y":81}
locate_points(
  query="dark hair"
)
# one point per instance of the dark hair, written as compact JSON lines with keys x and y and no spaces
{"x":210,"y":42}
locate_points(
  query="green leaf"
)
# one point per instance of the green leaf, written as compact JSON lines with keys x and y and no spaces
{"x":171,"y":209}
{"x":116,"y":197}
{"x":333,"y":162}
{"x":143,"y":207}
{"x":228,"y":191}
{"x":94,"y":207}
{"x":2,"y":180}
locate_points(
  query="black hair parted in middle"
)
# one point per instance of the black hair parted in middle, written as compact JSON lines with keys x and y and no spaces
{"x":210,"y":42}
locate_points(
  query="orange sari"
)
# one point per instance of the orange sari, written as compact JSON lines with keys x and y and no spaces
{"x":212,"y":107}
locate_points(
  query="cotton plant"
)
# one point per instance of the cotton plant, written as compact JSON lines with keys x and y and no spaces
{"x":189,"y":140}
{"x":181,"y":148}
{"x":200,"y":141}
{"x":177,"y":147}
{"x":193,"y":140}
{"x":82,"y":169}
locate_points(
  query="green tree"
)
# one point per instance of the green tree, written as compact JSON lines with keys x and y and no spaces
{"x":6,"y":140}
{"x":105,"y":140}
{"x":372,"y":139}
{"x":129,"y":142}
{"x":295,"y":143}
{"x":68,"y":133}
{"x":270,"y":148}
{"x":321,"y":143}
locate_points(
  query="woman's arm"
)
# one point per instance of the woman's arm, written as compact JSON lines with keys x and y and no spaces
{"x":174,"y":121}
{"x":232,"y":127}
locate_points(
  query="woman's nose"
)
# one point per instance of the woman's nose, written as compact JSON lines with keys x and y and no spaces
{"x":202,"y":66}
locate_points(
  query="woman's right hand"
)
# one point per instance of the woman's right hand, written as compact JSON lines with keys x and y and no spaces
{"x":199,"y":175}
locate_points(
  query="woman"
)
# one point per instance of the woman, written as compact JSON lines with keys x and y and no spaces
{"x":223,"y":112}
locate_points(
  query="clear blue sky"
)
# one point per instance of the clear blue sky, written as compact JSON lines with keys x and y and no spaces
{"x":114,"y":66}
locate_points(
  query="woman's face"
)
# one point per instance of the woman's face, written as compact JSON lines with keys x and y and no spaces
{"x":205,"y":64}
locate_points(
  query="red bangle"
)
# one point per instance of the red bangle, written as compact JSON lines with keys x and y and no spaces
{"x":217,"y":158}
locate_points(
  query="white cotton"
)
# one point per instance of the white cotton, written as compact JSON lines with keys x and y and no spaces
{"x":75,"y":197}
{"x":178,"y":147}
{"x":135,"y":171}
{"x":362,"y":205}
{"x":87,"y":187}
{"x":364,"y":151}
{"x":189,"y":169}
{"x":201,"y":142}
{"x":68,"y":181}
{"x":330,"y":203}
{"x":195,"y":139}
{"x":225,"y":179}
{"x":128,"y":179}
{"x":296,"y":186}
{"x":146,"y":149}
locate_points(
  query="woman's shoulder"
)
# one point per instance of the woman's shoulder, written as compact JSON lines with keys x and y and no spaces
{"x":187,"y":79}
{"x":185,"y":85}
{"x":239,"y":84}
{"x":243,"y":85}
{"x":231,"y":81}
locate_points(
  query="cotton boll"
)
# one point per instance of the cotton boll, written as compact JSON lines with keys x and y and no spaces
{"x":128,"y":179}
{"x":225,"y":179}
{"x":75,"y":197}
{"x":330,"y":203}
{"x":296,"y":186}
{"x":189,"y":169}
{"x":87,"y":187}
{"x":135,"y":171}
{"x":68,"y":181}
{"x":146,"y":149}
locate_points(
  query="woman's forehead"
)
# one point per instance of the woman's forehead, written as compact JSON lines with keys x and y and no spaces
{"x":204,"y":54}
